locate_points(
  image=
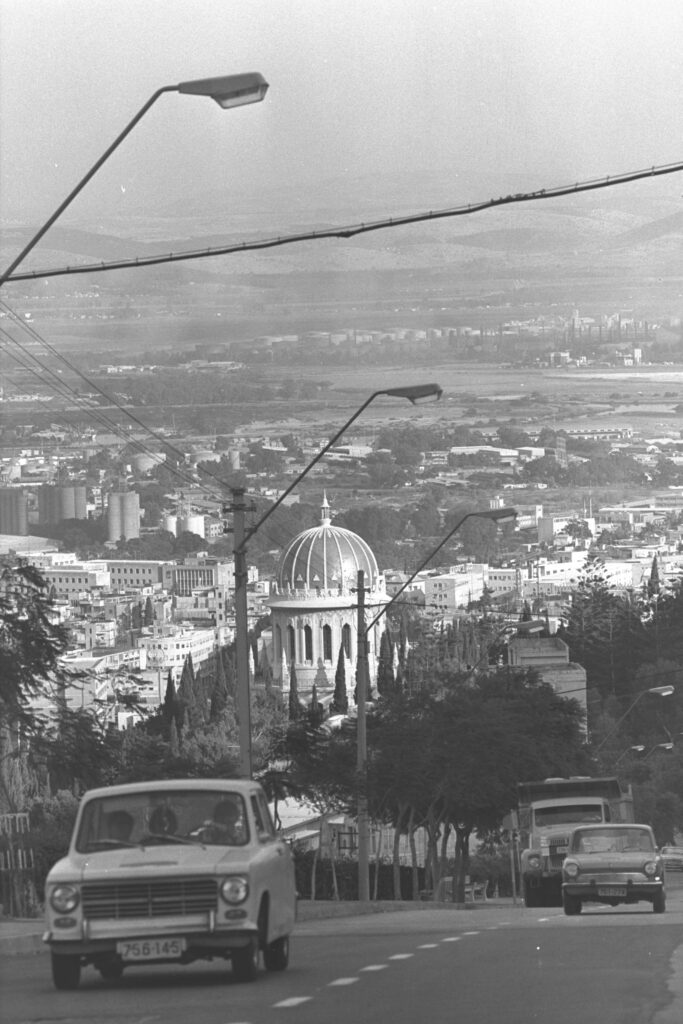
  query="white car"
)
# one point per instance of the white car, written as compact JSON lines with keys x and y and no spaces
{"x":171,"y":871}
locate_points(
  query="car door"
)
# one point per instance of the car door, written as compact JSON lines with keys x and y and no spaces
{"x":280,"y":867}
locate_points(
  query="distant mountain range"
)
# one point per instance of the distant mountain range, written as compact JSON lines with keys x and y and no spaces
{"x":634,"y":230}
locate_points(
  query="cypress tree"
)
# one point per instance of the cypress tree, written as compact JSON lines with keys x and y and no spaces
{"x":340,"y":700}
{"x":169,"y":707}
{"x":219,"y":693}
{"x":385,"y":668}
{"x":294,"y":705}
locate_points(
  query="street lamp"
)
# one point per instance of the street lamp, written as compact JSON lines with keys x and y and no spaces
{"x":499,"y":516}
{"x":414,"y":394}
{"x":228,"y":91}
{"x":655,"y":691}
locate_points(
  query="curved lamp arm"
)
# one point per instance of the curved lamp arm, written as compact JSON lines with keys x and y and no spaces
{"x":227,"y":91}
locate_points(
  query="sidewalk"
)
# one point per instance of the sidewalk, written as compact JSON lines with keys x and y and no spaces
{"x":25,"y":936}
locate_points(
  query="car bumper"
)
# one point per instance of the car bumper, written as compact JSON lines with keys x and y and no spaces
{"x":619,"y":892}
{"x":200,"y":932}
{"x":195,"y":946}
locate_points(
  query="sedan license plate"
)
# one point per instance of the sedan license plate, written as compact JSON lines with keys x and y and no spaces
{"x":151,"y":949}
{"x":612,"y":890}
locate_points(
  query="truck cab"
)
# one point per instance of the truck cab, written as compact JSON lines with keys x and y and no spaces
{"x":548,"y":813}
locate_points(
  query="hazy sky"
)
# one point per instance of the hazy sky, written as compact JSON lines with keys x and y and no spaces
{"x":554,"y":90}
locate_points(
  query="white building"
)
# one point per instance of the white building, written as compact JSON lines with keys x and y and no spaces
{"x":168,"y":650}
{"x":314,"y":607}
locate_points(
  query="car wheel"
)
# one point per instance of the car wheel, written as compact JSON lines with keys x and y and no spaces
{"x":276,"y":954}
{"x":571,"y":904}
{"x":245,"y":962}
{"x":66,"y":972}
{"x":532,"y":897}
{"x":659,"y":903}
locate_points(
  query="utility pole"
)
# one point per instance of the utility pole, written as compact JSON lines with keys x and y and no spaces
{"x":362,"y":748}
{"x":238,"y":510}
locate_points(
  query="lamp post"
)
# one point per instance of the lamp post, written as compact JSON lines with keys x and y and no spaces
{"x":499,"y":516}
{"x":655,"y":691}
{"x":228,"y":91}
{"x":413,"y":393}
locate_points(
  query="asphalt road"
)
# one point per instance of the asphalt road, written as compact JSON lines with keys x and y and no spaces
{"x":496,"y":964}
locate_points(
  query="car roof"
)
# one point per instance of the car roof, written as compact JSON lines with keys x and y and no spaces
{"x":243,"y":786}
{"x":612,"y":826}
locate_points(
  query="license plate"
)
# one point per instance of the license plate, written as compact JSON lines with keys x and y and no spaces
{"x":151,"y":949}
{"x":613,"y":890}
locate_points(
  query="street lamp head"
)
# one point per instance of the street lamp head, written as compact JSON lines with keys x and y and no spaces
{"x":498,"y":515}
{"x":415,"y":392}
{"x":229,"y":90}
{"x":662,"y":691}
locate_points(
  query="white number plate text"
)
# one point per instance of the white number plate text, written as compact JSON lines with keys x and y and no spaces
{"x":151,"y":949}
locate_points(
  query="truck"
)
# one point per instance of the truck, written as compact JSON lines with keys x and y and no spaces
{"x":547,"y":813}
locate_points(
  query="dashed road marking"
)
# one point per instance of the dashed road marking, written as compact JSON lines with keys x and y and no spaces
{"x":292,"y":1001}
{"x":429,"y":945}
{"x":343,"y":981}
{"x":452,"y":938}
{"x":401,"y":956}
{"x":375,"y":967}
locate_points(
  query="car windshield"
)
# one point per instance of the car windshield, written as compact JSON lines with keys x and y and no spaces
{"x":564,"y":815}
{"x":163,"y":817}
{"x":624,"y":840}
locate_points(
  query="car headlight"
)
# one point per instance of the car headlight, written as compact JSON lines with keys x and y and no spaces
{"x":235,"y":889}
{"x":65,"y":898}
{"x":534,"y":861}
{"x":651,"y":868}
{"x":570,"y":868}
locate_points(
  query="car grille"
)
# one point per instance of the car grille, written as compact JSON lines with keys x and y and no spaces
{"x":165,"y":897}
{"x":557,"y":850}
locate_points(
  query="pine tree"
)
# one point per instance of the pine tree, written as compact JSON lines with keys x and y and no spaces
{"x":340,"y":701}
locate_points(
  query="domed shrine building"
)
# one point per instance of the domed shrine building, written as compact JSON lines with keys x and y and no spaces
{"x":314,"y":608}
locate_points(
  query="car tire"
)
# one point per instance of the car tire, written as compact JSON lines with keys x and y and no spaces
{"x":245,"y":962}
{"x":571,"y":904}
{"x":276,"y":954}
{"x":66,"y":972}
{"x":659,"y":902}
{"x":532,"y":897}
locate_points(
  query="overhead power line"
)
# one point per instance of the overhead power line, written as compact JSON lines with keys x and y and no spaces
{"x":350,"y":231}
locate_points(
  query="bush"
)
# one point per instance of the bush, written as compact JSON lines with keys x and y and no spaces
{"x":51,"y":823}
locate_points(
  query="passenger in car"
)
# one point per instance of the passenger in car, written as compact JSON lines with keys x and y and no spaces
{"x":224,"y":827}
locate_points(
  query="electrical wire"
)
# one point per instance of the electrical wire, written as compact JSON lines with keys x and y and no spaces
{"x":351,"y":231}
{"x":61,"y":385}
